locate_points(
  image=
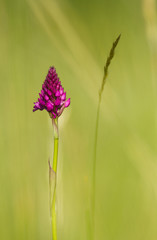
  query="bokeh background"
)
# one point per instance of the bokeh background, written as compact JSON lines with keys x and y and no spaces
{"x":75,"y":37}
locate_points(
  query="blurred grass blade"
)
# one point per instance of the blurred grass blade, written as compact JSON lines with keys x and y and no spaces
{"x":108,"y":62}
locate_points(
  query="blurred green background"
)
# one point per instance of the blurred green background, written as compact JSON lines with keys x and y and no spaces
{"x":75,"y":36}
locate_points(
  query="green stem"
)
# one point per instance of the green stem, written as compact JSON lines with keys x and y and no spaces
{"x":94,"y":168}
{"x":108,"y":62}
{"x":55,"y":158}
{"x":54,"y":223}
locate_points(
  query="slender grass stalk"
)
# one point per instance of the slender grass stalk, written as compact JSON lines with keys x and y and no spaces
{"x":54,"y":167}
{"x":108,"y":61}
{"x":94,"y":167}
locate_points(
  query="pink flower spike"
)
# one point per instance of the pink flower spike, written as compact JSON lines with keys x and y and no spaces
{"x":52,"y":97}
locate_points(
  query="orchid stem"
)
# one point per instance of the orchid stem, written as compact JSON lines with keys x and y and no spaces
{"x":55,"y":158}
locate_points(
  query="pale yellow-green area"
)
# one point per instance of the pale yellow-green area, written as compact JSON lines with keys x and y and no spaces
{"x":75,"y":36}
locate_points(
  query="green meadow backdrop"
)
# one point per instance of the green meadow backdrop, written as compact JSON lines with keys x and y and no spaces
{"x":75,"y":36}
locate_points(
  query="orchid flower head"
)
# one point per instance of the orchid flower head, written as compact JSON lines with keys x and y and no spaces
{"x":52,"y":97}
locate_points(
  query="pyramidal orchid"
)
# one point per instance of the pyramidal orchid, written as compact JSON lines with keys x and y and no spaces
{"x":52,"y":98}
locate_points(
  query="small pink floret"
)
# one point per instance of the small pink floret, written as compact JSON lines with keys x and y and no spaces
{"x":67,"y":103}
